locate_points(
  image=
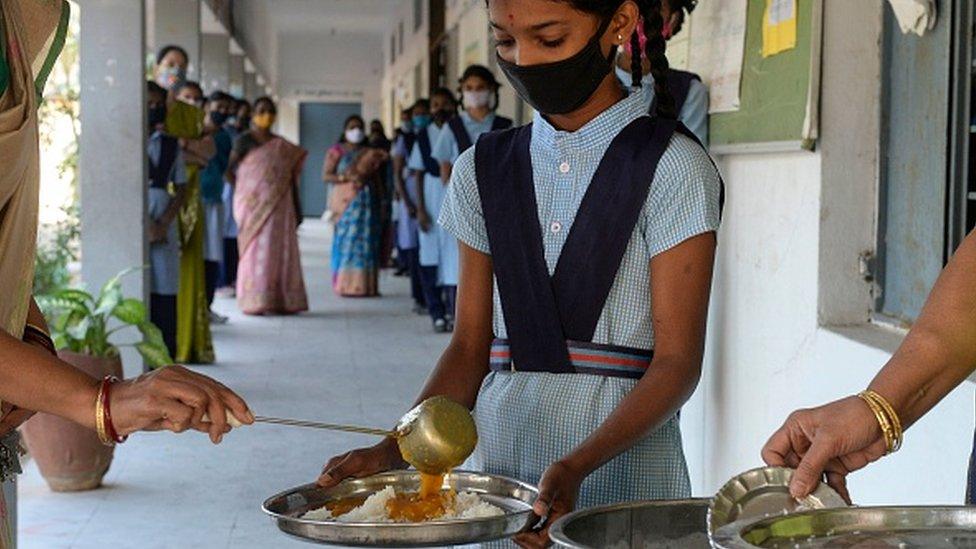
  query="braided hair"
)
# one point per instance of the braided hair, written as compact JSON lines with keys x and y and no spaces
{"x":655,"y":50}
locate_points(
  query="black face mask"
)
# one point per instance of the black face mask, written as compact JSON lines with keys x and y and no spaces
{"x":218,"y":118}
{"x":157,"y":116}
{"x":441,"y":117}
{"x":547,"y":87}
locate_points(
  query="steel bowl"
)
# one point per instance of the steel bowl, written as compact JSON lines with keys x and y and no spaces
{"x":513,"y":497}
{"x":660,"y":524}
{"x":856,"y":527}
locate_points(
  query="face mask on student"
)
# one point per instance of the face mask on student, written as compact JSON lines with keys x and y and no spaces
{"x":264,"y":120}
{"x":440,"y":117}
{"x":355,"y":135}
{"x":170,"y":76}
{"x":218,"y":118}
{"x":420,"y":122}
{"x":157,"y":116}
{"x":539,"y":85}
{"x":476,"y":99}
{"x":231,"y":121}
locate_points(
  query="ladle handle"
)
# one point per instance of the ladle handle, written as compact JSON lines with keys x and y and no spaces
{"x":326,"y":426}
{"x":235,"y":423}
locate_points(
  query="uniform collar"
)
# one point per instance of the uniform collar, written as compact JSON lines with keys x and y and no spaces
{"x":597,"y":133}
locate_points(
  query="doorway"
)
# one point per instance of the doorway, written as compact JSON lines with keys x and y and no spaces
{"x":320,"y":125}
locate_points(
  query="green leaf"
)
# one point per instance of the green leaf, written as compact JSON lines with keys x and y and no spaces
{"x":116,"y":282}
{"x":76,"y":294}
{"x":60,"y":341}
{"x":108,"y":300}
{"x":152,"y":334}
{"x":156,"y":356}
{"x":51,"y":305}
{"x":79,"y":330}
{"x":130,"y":311}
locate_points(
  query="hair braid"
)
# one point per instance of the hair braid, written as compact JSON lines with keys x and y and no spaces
{"x":656,"y":55}
{"x":636,"y":68}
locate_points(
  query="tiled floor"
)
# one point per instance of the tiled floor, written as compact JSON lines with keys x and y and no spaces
{"x":357,"y":361}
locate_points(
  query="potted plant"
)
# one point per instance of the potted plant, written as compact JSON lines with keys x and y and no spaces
{"x":70,"y":457}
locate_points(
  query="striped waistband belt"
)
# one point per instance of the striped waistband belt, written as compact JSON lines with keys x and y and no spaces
{"x":587,"y":358}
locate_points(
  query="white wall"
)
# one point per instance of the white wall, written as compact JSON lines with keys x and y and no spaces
{"x":398,"y":77}
{"x":789,"y":323}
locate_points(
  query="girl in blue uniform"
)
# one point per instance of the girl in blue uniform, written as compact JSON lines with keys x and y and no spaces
{"x":438,"y":248}
{"x":587,"y":246}
{"x":479,"y":99}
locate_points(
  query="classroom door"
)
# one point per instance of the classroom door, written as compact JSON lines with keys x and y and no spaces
{"x":320,"y":125}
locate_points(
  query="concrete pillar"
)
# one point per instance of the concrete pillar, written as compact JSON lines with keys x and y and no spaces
{"x":176,"y":22}
{"x":251,"y":89}
{"x":215,"y":62}
{"x":112,"y":161}
{"x":235,"y":79}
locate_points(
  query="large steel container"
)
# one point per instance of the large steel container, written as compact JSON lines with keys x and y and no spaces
{"x":658,"y":524}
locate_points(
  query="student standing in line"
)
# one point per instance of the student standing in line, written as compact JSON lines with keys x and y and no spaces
{"x":479,"y":100}
{"x":407,"y":189}
{"x":166,"y":166}
{"x":596,"y":224}
{"x":228,"y":267}
{"x":438,"y":249}
{"x":689,"y":92}
{"x":218,"y":108}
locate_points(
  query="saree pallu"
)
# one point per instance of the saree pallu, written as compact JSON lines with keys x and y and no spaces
{"x":269,"y":273}
{"x":358,"y":238}
{"x":31,"y":37}
{"x":193,"y":342}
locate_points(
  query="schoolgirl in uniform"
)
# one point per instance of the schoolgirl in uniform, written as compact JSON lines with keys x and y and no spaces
{"x":479,"y":99}
{"x":438,"y":248}
{"x":587,"y":246}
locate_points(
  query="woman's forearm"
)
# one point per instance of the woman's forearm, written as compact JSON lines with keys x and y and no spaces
{"x":33,"y":379}
{"x":666,"y":386}
{"x":446,"y":169}
{"x":939,"y":352}
{"x":458,"y":375}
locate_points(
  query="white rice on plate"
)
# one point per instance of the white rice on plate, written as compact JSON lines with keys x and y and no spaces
{"x":373,"y":510}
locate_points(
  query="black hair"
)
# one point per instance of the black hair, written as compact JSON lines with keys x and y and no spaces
{"x":244,"y":103}
{"x":425,"y":103}
{"x":154,"y":88}
{"x":444,"y":92}
{"x":484,"y":73}
{"x":188,"y":84}
{"x":221,"y":96}
{"x":351,"y":118}
{"x":267,"y":101}
{"x":686,"y":6}
{"x":165,"y":50}
{"x":377,"y":122}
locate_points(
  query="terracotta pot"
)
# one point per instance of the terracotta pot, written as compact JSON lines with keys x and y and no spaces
{"x":69,"y":456}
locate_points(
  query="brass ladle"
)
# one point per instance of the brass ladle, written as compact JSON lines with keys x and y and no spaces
{"x":434,"y":437}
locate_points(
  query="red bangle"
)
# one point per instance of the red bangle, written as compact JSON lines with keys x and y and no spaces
{"x":107,"y":383}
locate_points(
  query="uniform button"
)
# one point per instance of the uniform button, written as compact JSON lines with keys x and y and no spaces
{"x":556,"y":226}
{"x":564,"y":167}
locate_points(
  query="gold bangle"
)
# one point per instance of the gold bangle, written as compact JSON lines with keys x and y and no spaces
{"x":879,"y":414}
{"x":881,"y":401}
{"x":100,"y":426}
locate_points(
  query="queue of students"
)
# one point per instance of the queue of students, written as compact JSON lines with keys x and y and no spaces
{"x":223,"y":208}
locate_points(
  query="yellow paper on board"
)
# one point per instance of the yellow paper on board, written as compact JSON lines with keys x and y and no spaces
{"x":779,"y":27}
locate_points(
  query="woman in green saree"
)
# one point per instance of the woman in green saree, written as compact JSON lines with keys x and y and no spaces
{"x":184,"y":120}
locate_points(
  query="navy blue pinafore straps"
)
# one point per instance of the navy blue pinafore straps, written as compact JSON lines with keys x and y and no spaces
{"x":463,"y":138}
{"x":543,"y":314}
{"x":431,"y":167}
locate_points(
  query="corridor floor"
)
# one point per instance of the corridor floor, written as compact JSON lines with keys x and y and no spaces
{"x":348,"y":360}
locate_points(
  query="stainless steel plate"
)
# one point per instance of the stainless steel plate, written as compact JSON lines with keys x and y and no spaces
{"x":512,"y":496}
{"x":856,"y":528}
{"x":658,"y":524}
{"x":762,"y":492}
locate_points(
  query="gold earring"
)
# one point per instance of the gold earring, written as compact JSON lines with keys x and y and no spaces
{"x":620,"y":38}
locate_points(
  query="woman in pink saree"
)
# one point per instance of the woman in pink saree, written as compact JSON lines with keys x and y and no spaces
{"x":264,"y":168}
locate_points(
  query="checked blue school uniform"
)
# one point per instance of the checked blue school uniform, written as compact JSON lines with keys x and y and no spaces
{"x":571,"y":247}
{"x":438,"y":248}
{"x":464,"y":133}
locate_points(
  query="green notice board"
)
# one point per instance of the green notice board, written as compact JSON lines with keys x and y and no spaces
{"x":779,"y":95}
